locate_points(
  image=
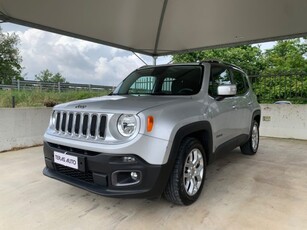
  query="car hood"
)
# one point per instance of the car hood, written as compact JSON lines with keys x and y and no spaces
{"x":120,"y":104}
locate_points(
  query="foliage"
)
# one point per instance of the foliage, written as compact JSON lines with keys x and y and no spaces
{"x":10,"y":59}
{"x":286,"y":56}
{"x":285,"y":75}
{"x":271,"y":88}
{"x":248,"y":57}
{"x":282,"y":70}
{"x":47,"y":76}
{"x":36,"y":98}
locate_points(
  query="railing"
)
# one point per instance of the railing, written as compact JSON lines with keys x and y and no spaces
{"x":268,"y":87}
{"x":284,"y":86}
{"x":52,"y":86}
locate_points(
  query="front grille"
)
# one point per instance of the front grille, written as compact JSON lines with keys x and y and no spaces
{"x":89,"y":125}
{"x":83,"y":176}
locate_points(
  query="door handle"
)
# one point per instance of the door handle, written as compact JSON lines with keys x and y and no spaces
{"x":234,"y":107}
{"x":250,"y":103}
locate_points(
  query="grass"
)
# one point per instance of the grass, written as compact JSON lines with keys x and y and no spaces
{"x":37,"y":98}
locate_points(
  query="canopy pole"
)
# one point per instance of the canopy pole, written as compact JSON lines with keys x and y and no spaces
{"x":160,"y":26}
{"x":154,"y":60}
{"x":139,"y":57}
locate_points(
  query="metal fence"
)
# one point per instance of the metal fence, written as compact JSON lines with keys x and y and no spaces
{"x":268,"y":87}
{"x":283,"y":86}
{"x":52,"y":86}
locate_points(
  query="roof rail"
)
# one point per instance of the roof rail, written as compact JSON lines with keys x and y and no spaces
{"x":144,"y":66}
{"x":219,"y":62}
{"x":211,"y":61}
{"x":232,"y":65}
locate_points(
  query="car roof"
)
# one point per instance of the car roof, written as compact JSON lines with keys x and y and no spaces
{"x":210,"y":61}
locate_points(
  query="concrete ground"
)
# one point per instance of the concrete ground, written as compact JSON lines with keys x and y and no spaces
{"x":265,"y":191}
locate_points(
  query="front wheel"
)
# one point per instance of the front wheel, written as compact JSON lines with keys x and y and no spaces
{"x":188,"y":176}
{"x":251,"y":146}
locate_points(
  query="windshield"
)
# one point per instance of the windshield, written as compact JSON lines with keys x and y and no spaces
{"x":163,"y":80}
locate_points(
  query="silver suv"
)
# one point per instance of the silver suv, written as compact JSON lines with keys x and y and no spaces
{"x":156,"y":133}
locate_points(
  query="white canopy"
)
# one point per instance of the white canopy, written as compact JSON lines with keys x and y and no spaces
{"x":161,"y":27}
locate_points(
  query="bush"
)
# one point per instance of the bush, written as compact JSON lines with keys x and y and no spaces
{"x":36,"y":98}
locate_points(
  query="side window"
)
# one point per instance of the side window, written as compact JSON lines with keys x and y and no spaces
{"x":219,"y":76}
{"x":144,"y":84}
{"x":239,"y":80}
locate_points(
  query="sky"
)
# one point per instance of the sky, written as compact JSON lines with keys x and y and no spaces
{"x":77,"y":60}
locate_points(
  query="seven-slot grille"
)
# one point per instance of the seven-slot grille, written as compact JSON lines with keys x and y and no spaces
{"x":80,"y":124}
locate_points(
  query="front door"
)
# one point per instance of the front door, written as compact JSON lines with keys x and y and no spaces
{"x":223,"y":112}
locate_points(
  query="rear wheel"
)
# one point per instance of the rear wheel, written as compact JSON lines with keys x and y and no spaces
{"x":187,"y":179}
{"x":251,"y":146}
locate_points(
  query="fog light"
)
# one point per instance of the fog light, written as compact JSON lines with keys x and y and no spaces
{"x":134,"y":176}
{"x":126,"y":178}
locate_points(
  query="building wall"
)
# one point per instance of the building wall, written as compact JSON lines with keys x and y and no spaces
{"x":284,"y":121}
{"x":24,"y":127}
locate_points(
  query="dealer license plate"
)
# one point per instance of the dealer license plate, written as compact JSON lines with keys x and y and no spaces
{"x":66,"y":160}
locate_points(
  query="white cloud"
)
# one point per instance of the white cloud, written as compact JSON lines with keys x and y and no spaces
{"x":77,"y":60}
{"x":115,"y":69}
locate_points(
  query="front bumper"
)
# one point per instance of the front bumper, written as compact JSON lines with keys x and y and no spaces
{"x":96,"y":169}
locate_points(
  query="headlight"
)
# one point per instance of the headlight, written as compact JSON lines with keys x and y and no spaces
{"x":127,"y":125}
{"x":53,"y":118}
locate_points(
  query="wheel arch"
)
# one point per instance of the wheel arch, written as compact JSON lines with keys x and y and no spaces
{"x":257,"y":116}
{"x":200,"y":130}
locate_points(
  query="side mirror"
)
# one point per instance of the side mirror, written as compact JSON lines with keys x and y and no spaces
{"x":226,"y":90}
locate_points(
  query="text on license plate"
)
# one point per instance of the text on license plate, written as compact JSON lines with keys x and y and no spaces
{"x":66,"y":160}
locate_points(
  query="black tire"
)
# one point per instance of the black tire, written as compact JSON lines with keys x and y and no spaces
{"x":175,"y":191}
{"x":249,"y":148}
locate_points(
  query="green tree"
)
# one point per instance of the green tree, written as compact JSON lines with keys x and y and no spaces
{"x":10,"y":59}
{"x":58,"y":78}
{"x":285,"y":75}
{"x":277,"y":66}
{"x":248,"y":57}
{"x":47,"y":76}
{"x":287,"y":55}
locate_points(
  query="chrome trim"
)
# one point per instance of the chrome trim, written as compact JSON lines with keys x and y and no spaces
{"x":79,"y":135}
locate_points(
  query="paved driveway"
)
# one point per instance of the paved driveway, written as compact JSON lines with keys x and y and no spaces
{"x":266,"y":191}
